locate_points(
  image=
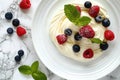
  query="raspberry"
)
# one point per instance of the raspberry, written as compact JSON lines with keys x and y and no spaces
{"x":61,"y":38}
{"x":78,"y":8}
{"x":87,"y":32}
{"x":88,"y":53}
{"x":25,"y":4}
{"x":109,"y":35}
{"x":20,"y":31}
{"x":93,"y":11}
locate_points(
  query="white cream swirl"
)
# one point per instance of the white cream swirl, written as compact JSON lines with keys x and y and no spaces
{"x":60,"y":22}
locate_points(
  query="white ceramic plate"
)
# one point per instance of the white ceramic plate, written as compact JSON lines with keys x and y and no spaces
{"x":64,"y":66}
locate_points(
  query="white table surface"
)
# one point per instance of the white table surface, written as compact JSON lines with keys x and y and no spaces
{"x":115,"y":75}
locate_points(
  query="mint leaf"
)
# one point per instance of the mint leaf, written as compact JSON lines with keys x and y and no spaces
{"x":34,"y":66}
{"x":33,"y":71}
{"x":39,"y":76}
{"x":83,"y":21}
{"x":96,"y":40}
{"x":71,"y":12}
{"x":25,"y":69}
{"x":74,"y":16}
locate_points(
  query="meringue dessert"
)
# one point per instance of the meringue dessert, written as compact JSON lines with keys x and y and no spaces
{"x":80,"y":31}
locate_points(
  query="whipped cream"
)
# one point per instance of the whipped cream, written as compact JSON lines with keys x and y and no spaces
{"x":60,"y":22}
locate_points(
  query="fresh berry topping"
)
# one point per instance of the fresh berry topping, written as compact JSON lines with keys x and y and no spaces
{"x":106,"y":22}
{"x":77,"y":37}
{"x":104,"y":45}
{"x":87,"y":32}
{"x":20,"y":31}
{"x":109,"y":35}
{"x":17,"y":58}
{"x":93,"y":12}
{"x":98,"y":19}
{"x":78,"y":8}
{"x":8,"y":15}
{"x":20,"y":53}
{"x":88,"y":4}
{"x":10,"y":30}
{"x":15,"y":22}
{"x":25,"y":4}
{"x":61,"y":38}
{"x":88,"y":53}
{"x":76,"y":48}
{"x":68,"y":32}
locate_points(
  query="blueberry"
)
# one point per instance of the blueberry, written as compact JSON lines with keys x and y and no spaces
{"x":77,"y":37}
{"x":76,"y":48}
{"x":16,"y":22}
{"x":10,"y":31}
{"x":68,"y":32}
{"x":20,"y":53}
{"x":88,"y":4}
{"x":106,"y":22}
{"x":17,"y":58}
{"x":8,"y":15}
{"x":98,"y":19}
{"x":104,"y":45}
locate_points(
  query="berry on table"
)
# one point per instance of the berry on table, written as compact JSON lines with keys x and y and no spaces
{"x":16,"y":22}
{"x":25,"y":4}
{"x":68,"y":32}
{"x":20,"y":53}
{"x":17,"y":58}
{"x":106,"y":22}
{"x":94,"y":11}
{"x":61,"y":39}
{"x":87,"y":32}
{"x":78,"y":8}
{"x":104,"y":45}
{"x":109,"y":35}
{"x":10,"y":30}
{"x":8,"y":15}
{"x":76,"y":48}
{"x":98,"y":19}
{"x":88,"y":53}
{"x":20,"y":31}
{"x":88,"y":4}
{"x":77,"y":37}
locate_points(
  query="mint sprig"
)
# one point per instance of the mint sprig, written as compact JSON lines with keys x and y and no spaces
{"x":84,"y":20}
{"x":33,"y":71}
{"x":96,"y":40}
{"x":74,"y":16}
{"x":71,"y":12}
{"x":39,"y":76}
{"x":25,"y":70}
{"x":34,"y":66}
